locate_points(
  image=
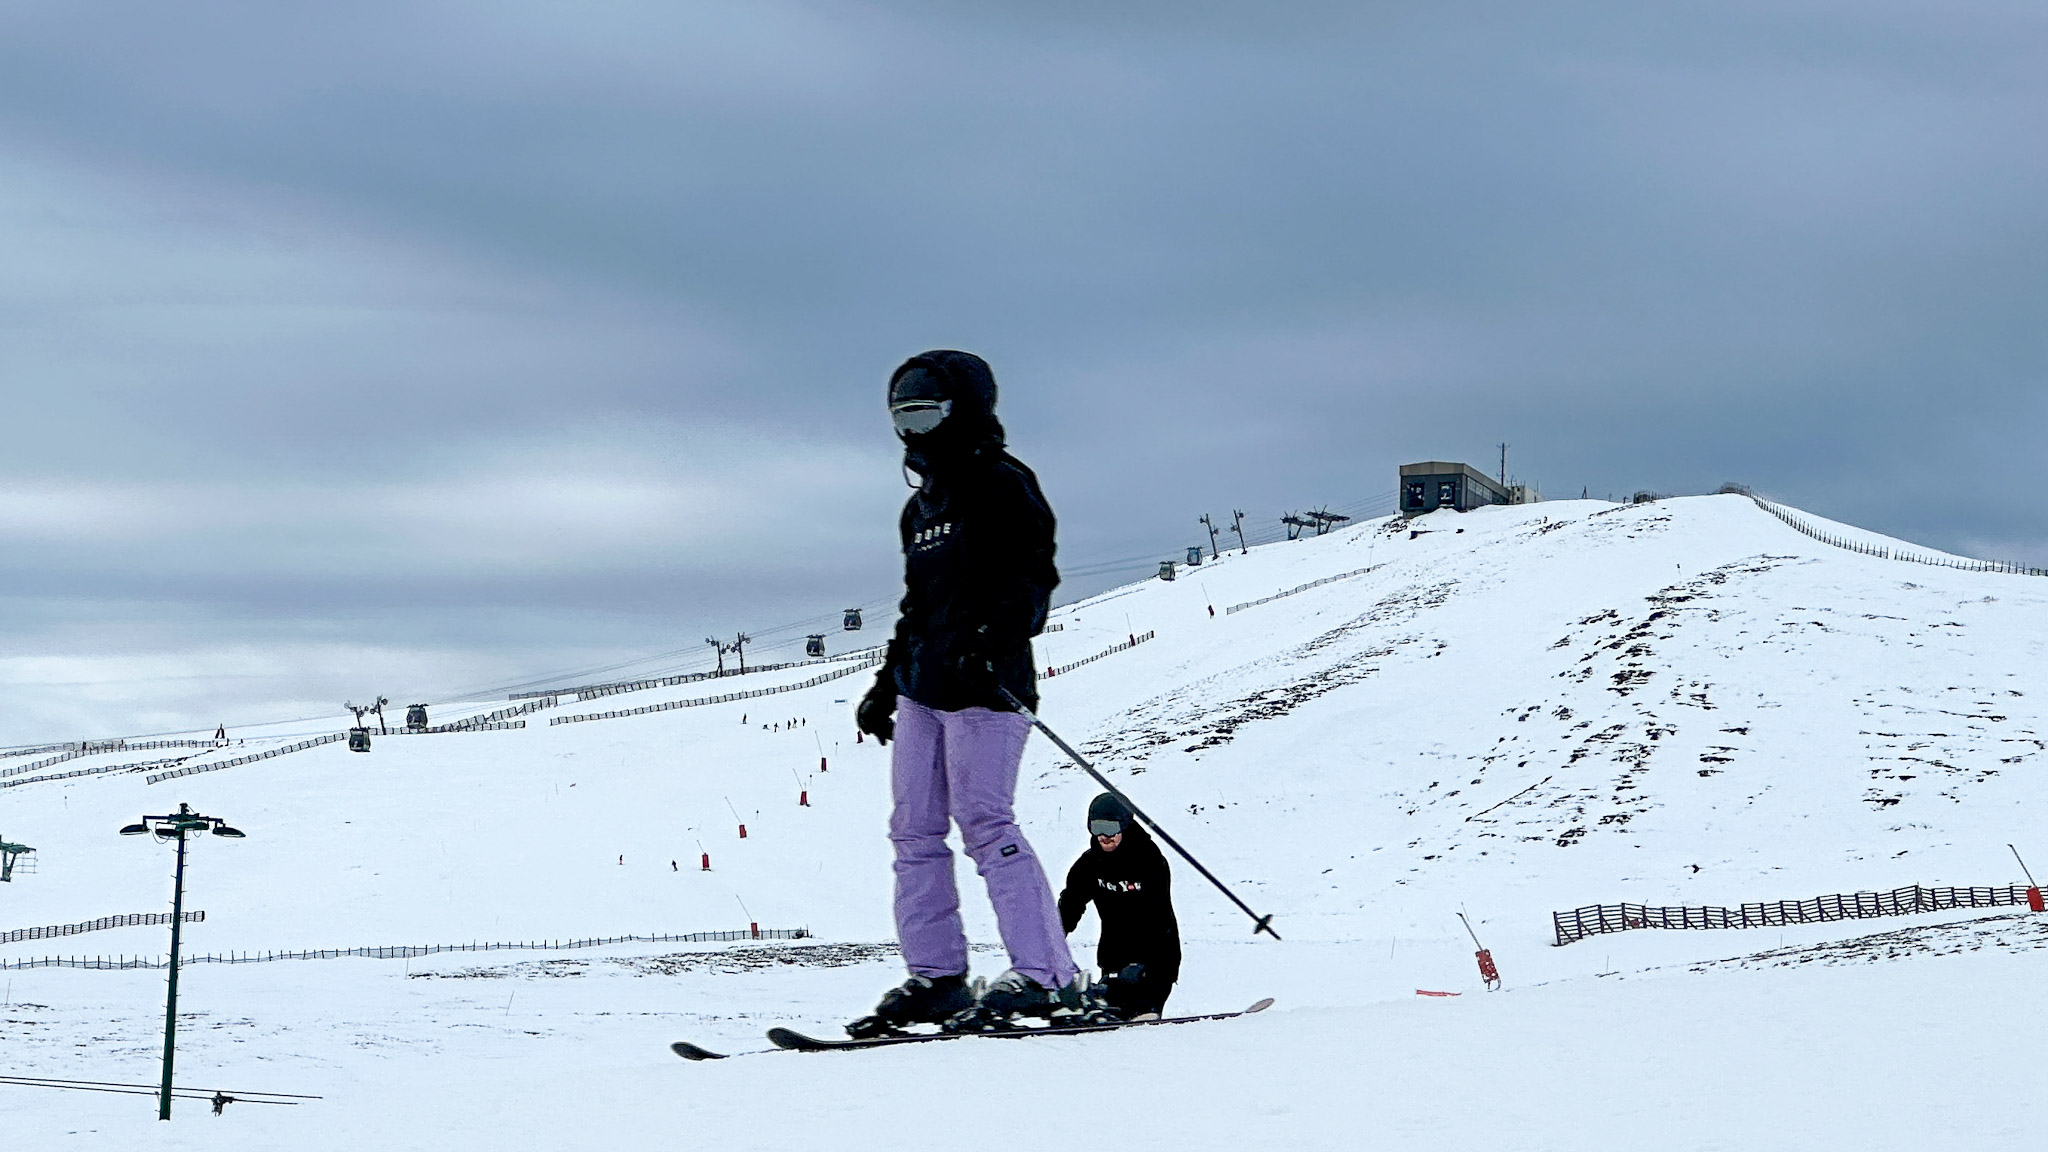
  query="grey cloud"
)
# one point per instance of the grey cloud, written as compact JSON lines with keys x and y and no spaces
{"x":1220,"y":257}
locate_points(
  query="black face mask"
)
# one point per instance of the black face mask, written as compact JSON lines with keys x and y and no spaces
{"x":921,"y":408}
{"x":940,"y":429}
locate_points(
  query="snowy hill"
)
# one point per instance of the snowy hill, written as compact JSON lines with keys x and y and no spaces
{"x":1514,"y":710}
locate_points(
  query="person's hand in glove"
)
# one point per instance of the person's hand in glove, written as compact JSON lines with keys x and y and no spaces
{"x":876,"y":713}
{"x":972,"y":664}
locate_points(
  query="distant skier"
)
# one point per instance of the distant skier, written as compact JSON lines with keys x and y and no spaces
{"x":977,"y":541}
{"x":1125,"y":876}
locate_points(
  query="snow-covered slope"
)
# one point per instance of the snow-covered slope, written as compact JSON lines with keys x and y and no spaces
{"x":1513,"y":710}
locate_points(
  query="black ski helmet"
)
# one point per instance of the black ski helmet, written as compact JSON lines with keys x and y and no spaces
{"x":1106,"y":810}
{"x":960,"y":383}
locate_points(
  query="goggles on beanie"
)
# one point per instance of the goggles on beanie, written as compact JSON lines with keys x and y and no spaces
{"x":917,"y":417}
{"x":1106,"y":827}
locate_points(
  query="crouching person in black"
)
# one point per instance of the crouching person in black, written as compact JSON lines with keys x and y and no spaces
{"x":1125,"y":876}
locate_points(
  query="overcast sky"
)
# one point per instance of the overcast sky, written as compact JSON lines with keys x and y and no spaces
{"x":420,"y":347}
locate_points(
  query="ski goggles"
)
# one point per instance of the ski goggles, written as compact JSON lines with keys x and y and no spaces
{"x":917,"y":417}
{"x":1106,"y":827}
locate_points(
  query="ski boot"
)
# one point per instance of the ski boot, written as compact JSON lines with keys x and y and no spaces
{"x":1015,"y":998}
{"x":1082,"y":1003}
{"x":918,"y":1000}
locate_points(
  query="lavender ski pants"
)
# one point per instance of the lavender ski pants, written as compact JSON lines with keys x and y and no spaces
{"x":963,"y":766}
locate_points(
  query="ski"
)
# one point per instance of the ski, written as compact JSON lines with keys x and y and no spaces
{"x":794,"y":1041}
{"x":689,"y":1051}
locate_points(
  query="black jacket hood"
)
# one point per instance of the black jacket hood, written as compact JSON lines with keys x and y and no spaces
{"x":972,"y":429}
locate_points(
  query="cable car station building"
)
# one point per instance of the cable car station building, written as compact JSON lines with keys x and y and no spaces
{"x":1435,"y":484}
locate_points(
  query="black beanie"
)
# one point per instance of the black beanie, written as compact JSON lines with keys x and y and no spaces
{"x":1108,"y":807}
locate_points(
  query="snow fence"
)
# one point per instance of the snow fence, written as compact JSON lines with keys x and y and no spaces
{"x":1300,"y":588}
{"x":1594,"y":919}
{"x":1805,"y":529}
{"x":1113,"y":649}
{"x":616,"y":687}
{"x":395,"y":952}
{"x":129,"y":921}
{"x":729,"y":697}
{"x":251,"y":758}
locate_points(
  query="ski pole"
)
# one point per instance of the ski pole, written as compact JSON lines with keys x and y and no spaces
{"x":1259,"y":923}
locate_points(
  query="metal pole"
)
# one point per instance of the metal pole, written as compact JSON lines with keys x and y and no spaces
{"x":163,"y":1111}
{"x":2023,"y":865}
{"x":1259,"y":923}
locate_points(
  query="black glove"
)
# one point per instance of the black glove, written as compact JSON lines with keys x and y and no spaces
{"x":974,"y":669}
{"x":1122,"y":988}
{"x":876,"y":713}
{"x":972,"y":664}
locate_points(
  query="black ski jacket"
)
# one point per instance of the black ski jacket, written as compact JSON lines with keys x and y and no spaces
{"x":1132,"y":891}
{"x":978,"y":577}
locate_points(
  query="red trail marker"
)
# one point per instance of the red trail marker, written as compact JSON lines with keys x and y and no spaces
{"x":1489,"y":975}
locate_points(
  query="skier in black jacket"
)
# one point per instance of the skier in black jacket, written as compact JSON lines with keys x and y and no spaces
{"x":977,"y":543}
{"x":1124,"y":875}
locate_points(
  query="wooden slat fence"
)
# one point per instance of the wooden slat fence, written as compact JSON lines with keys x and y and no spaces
{"x":489,"y":721}
{"x":34,"y":750}
{"x":100,"y":770}
{"x":1594,"y":919}
{"x":68,"y":754}
{"x":251,"y":758}
{"x":1298,"y":589}
{"x":614,"y":688}
{"x":1113,"y":649}
{"x":129,"y":921}
{"x":729,"y":697}
{"x":1802,"y":527}
{"x":395,"y":952}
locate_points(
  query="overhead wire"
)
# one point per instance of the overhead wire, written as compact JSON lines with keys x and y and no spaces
{"x":876,"y":610}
